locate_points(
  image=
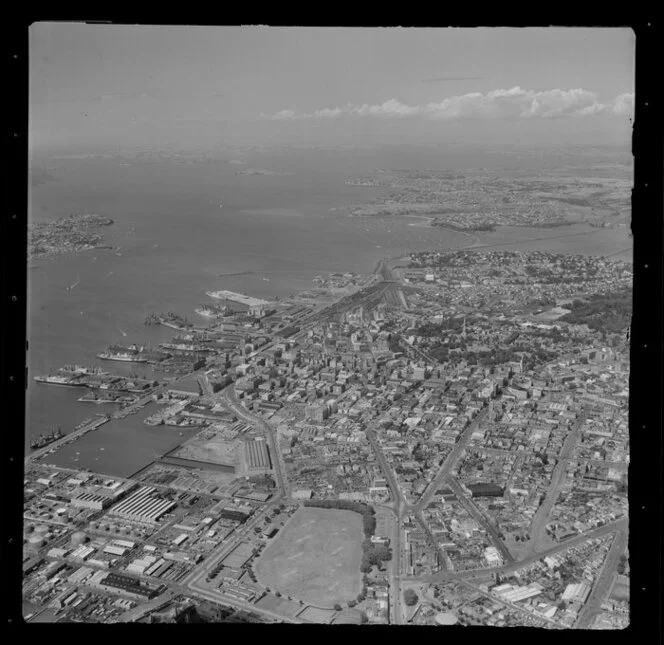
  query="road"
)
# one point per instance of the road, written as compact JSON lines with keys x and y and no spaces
{"x":479,"y":517}
{"x":395,"y":563}
{"x":395,"y":510}
{"x":619,"y":525}
{"x":230,"y":399}
{"x":512,"y":605}
{"x":541,"y":516}
{"x":195,"y":581}
{"x":603,"y":582}
{"x":451,"y":459}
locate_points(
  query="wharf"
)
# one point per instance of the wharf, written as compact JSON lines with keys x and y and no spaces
{"x":237,"y":297}
{"x":68,"y":438}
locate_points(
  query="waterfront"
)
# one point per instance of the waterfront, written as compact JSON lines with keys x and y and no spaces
{"x":173,"y":243}
{"x":120,"y":447}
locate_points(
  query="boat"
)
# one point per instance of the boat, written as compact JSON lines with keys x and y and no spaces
{"x":213,"y":311}
{"x":82,"y":369}
{"x":105,"y":397}
{"x":185,"y":347}
{"x":58,"y":379}
{"x":174,"y":321}
{"x":45,"y":439}
{"x":131,"y":354}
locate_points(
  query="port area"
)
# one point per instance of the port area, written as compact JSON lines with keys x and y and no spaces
{"x":83,"y":428}
{"x":240,"y":298}
{"x":103,"y":381}
{"x":99,"y":397}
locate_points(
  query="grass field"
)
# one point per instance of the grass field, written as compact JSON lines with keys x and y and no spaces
{"x":315,"y":557}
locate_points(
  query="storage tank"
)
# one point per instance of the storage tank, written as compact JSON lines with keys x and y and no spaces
{"x":35,"y":542}
{"x":78,"y":538}
{"x":42,"y":530}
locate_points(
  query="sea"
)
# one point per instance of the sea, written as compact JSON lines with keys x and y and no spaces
{"x":184,"y":226}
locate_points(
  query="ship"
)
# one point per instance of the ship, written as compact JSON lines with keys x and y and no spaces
{"x":174,"y":321}
{"x":131,"y":354}
{"x":59,"y":379}
{"x":185,"y":347}
{"x":45,"y":439}
{"x":97,"y":396}
{"x":82,"y":370}
{"x":213,"y":311}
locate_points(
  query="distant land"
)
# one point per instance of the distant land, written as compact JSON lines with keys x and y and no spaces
{"x":67,"y":234}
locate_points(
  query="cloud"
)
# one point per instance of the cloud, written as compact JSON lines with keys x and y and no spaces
{"x":284,"y":114}
{"x":496,"y":104}
{"x":442,"y":79}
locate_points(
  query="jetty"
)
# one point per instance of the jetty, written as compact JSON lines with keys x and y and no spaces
{"x":237,"y":297}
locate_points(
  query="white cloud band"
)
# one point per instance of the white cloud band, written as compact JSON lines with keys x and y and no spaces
{"x":513,"y":103}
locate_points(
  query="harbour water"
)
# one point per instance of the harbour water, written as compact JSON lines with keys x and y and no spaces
{"x":172,"y":243}
{"x":121,"y":447}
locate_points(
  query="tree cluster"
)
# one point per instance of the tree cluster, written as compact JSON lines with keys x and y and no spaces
{"x":610,"y":312}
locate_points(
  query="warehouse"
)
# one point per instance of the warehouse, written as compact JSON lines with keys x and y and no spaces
{"x":485,"y":490}
{"x":145,"y":505}
{"x":131,"y":586}
{"x":257,"y":454}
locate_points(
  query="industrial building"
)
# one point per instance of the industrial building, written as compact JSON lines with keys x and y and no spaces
{"x":130,"y":586}
{"x":257,"y":454}
{"x":145,"y":506}
{"x":485,"y":490}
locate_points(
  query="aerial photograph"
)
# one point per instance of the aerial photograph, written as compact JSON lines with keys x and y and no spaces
{"x":328,"y":326}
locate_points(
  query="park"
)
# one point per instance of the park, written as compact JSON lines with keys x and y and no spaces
{"x":316,"y":557}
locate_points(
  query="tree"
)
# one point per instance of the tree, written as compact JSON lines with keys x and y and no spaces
{"x":337,"y":607}
{"x":410,"y":597}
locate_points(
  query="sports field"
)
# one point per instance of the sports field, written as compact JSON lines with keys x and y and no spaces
{"x":315,"y":557}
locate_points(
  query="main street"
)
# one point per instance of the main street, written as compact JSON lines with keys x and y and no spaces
{"x":230,"y":399}
{"x":479,"y":517}
{"x":617,"y":526}
{"x":395,"y":509}
{"x":541,"y":516}
{"x":450,"y":461}
{"x":603,"y":582}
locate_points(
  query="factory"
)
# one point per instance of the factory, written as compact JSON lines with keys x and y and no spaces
{"x":145,"y":506}
{"x":257,"y":454}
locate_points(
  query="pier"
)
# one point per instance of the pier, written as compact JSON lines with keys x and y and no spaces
{"x":237,"y":297}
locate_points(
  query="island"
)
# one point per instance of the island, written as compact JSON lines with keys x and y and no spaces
{"x":69,"y":234}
